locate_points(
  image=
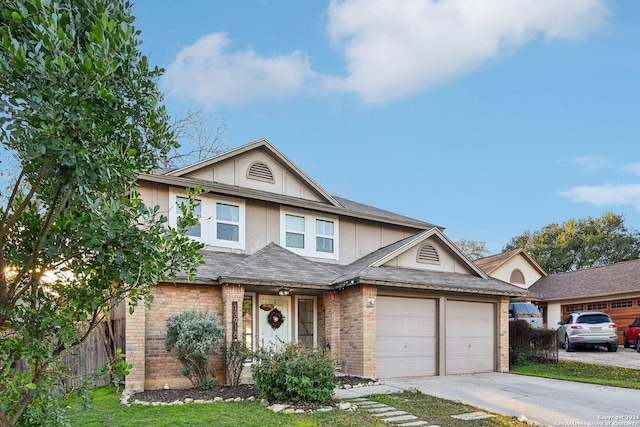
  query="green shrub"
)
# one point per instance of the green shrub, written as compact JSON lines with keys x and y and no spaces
{"x":527,"y":344}
{"x":196,"y":336}
{"x":234,"y":358}
{"x":294,"y":373}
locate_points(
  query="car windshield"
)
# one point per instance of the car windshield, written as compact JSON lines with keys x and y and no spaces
{"x":594,"y":318}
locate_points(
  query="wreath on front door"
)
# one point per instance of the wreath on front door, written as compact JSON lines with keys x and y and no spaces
{"x":275,"y":318}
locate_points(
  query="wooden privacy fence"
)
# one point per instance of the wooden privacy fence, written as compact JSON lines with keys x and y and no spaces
{"x":85,"y":359}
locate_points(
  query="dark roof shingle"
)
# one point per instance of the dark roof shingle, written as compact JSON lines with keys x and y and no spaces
{"x":608,"y":280}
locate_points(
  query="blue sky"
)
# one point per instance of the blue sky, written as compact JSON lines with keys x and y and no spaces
{"x":487,"y":118}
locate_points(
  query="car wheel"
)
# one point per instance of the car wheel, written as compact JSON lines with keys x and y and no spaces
{"x":612,"y":348}
{"x":627,"y":344}
{"x":567,"y":344}
{"x":637,"y":345}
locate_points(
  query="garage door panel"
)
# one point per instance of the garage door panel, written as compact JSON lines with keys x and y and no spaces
{"x":406,"y":334}
{"x":470,"y":337}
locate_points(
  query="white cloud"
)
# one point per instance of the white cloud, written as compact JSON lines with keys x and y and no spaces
{"x":207,"y":73}
{"x":391,"y":48}
{"x":632,"y":168}
{"x":593,"y":163}
{"x":605,"y":195}
{"x":397,"y":48}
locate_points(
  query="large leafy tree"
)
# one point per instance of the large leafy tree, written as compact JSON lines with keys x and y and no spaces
{"x":81,"y":117}
{"x":580,"y":243}
{"x":474,"y":249}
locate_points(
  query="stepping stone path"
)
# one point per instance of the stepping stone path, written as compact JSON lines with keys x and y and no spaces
{"x":389,"y":414}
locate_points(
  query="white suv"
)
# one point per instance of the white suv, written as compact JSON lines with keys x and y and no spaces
{"x":526,"y":311}
{"x":588,"y":328}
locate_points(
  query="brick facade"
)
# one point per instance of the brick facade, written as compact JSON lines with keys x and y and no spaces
{"x":358,"y":331}
{"x":347,"y":322}
{"x":135,"y":347}
{"x":146,"y":332}
{"x":503,"y":334}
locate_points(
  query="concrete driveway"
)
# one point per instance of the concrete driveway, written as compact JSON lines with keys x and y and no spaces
{"x":624,"y":357}
{"x":545,"y":401}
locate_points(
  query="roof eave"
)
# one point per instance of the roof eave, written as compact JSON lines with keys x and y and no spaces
{"x":271,"y":197}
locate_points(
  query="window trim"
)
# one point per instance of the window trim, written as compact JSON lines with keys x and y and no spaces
{"x":254,"y":315}
{"x":208,"y":219}
{"x":310,"y":234}
{"x":315,"y":317}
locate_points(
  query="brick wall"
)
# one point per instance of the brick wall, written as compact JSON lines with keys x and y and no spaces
{"x":503,"y":334}
{"x":135,"y":347}
{"x":161,"y":367}
{"x":329,"y":320}
{"x":358,"y":331}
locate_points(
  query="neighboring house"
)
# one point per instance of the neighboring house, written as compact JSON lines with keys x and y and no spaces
{"x":389,"y":295}
{"x":515,"y":267}
{"x":614,"y":289}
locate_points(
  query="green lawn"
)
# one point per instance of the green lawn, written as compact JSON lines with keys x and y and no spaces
{"x":583,"y":372}
{"x":104,"y":409}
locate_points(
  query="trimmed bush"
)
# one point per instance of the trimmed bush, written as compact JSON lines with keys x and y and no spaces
{"x":196,"y":336}
{"x":294,"y":373}
{"x":234,"y":358}
{"x":527,"y":344}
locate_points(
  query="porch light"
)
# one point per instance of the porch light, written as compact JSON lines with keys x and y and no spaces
{"x":283,"y":292}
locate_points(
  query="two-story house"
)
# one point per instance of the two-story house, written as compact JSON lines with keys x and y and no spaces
{"x":284,"y":260}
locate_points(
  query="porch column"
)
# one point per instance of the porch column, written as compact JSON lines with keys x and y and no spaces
{"x":503,"y":334}
{"x":369,"y":331}
{"x":332,"y":318}
{"x":135,"y":346}
{"x":232,"y":317}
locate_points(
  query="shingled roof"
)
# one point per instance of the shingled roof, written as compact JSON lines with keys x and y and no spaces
{"x":598,"y":281}
{"x":493,"y":262}
{"x":275,"y":265}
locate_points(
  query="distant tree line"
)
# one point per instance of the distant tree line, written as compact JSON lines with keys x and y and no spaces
{"x":580,"y":243}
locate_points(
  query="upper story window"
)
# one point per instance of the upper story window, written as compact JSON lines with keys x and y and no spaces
{"x":227,"y":222}
{"x":310,"y":235}
{"x":221,"y":221}
{"x":196,"y":229}
{"x":294,"y":228}
{"x":324,"y":236}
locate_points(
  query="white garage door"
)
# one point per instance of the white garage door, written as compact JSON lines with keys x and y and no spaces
{"x":406,"y":332}
{"x":470,"y":337}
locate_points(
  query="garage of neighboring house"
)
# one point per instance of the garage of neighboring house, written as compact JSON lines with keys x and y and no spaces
{"x":622,"y":311}
{"x":410,"y":334}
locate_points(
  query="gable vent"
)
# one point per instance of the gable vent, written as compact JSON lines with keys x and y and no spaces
{"x":261,"y":172}
{"x":517,"y":278}
{"x":428,"y":254}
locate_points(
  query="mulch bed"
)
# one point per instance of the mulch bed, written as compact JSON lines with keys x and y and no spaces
{"x":243,"y":391}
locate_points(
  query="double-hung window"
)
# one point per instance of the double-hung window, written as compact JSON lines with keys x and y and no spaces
{"x":196,"y":229}
{"x":310,"y":235}
{"x":227,"y":222}
{"x":294,"y":229}
{"x":324,"y":236}
{"x":221,"y":220}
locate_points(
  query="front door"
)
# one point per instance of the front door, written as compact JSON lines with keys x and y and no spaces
{"x":275,"y":320}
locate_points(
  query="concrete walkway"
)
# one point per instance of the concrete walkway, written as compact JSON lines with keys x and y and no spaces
{"x":545,"y":401}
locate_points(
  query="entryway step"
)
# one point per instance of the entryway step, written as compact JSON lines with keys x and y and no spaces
{"x":415,"y":423}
